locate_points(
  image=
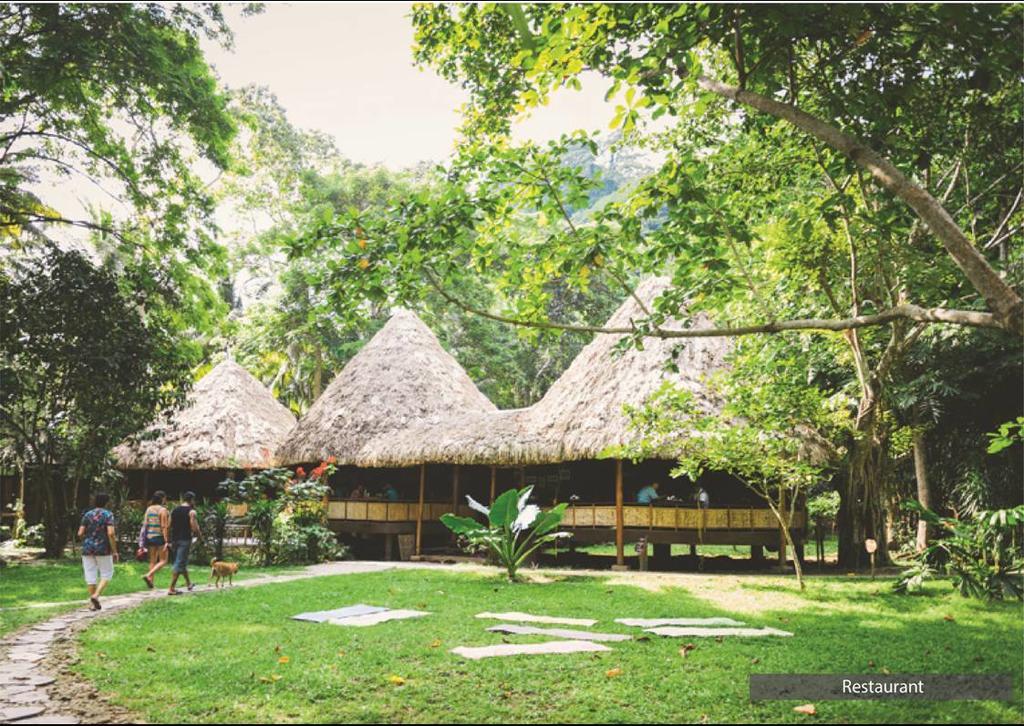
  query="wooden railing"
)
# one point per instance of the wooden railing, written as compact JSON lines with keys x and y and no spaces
{"x":660,"y":516}
{"x":371,"y":510}
{"x":635,"y":516}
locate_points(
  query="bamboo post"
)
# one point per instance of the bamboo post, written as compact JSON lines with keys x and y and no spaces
{"x":620,"y":558}
{"x":419,"y":511}
{"x":494,"y":482}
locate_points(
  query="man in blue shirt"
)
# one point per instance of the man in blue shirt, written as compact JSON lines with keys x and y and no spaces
{"x":648,"y":494}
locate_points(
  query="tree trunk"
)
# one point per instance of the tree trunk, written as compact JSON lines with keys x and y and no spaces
{"x":924,"y":493}
{"x":861,"y":510}
{"x":55,"y":512}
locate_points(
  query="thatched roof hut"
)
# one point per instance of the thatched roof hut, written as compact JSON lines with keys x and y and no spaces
{"x":582,"y":412}
{"x":493,"y":438}
{"x":230,"y":420}
{"x":583,"y":409}
{"x":401,"y":379}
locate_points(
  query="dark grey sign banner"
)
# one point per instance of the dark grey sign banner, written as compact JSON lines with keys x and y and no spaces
{"x":838,"y":687}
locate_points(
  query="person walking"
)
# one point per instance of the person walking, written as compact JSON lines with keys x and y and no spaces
{"x":157,"y":523}
{"x":99,"y":548}
{"x":184,"y":524}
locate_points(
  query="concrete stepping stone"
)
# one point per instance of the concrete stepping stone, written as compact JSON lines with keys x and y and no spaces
{"x":682,"y":622}
{"x":11,"y":690}
{"x":50,"y":718}
{"x":553,"y":647}
{"x":363,"y":621}
{"x":517,"y":617}
{"x":32,"y":695}
{"x":28,"y":680}
{"x":323,"y":616}
{"x":26,"y":654}
{"x":52,"y":625}
{"x":562,"y":633}
{"x":670,"y":631}
{"x":18,"y":713}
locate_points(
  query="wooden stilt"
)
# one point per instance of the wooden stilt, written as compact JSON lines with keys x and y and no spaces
{"x":455,"y":490}
{"x":494,"y":482}
{"x":620,"y":538}
{"x":419,"y":510}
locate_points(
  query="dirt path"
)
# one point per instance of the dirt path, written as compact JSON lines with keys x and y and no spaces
{"x":37,"y":684}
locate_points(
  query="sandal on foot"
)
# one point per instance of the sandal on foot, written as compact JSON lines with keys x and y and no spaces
{"x":148,"y":580}
{"x":174,"y":592}
{"x":95,"y":603}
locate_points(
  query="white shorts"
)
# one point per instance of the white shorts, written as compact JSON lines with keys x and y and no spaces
{"x":97,"y":567}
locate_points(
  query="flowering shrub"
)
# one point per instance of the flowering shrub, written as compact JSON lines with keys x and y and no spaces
{"x":287,"y":513}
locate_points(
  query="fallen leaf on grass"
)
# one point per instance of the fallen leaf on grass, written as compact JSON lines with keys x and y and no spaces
{"x":270,"y":679}
{"x":436,"y":643}
{"x":807,"y":709}
{"x":396,"y":680}
{"x":683,"y":650}
{"x":755,"y":661}
{"x":283,"y":659}
{"x":613,"y":673}
{"x":949,"y":618}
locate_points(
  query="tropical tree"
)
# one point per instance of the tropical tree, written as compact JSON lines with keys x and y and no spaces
{"x":76,"y":384}
{"x":890,"y":217}
{"x":120,"y":97}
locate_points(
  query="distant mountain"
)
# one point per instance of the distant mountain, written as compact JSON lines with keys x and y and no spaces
{"x":618,"y":167}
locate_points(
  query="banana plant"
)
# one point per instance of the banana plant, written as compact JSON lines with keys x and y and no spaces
{"x":514,"y":528}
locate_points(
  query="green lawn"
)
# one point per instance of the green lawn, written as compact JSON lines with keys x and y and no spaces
{"x":61,"y":581}
{"x":220,"y":655}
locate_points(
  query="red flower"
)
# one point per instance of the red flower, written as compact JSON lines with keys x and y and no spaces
{"x":300,"y":472}
{"x":331,"y":460}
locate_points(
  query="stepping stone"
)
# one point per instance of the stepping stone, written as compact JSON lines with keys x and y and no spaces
{"x":28,"y":680}
{"x":683,"y":622}
{"x":559,"y":633}
{"x":351,"y":611}
{"x":31,"y":638}
{"x":17,"y":713}
{"x":53,"y":625}
{"x":50,"y":719}
{"x":528,"y":618}
{"x":551,"y":648}
{"x":33,"y":695}
{"x":12,"y":690}
{"x":362,"y":621}
{"x":670,"y":631}
{"x":25,"y":654}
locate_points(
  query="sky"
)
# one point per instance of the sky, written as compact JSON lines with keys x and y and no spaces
{"x":347,"y":69}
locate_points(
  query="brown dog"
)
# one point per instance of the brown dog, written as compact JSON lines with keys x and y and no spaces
{"x":223,"y":570}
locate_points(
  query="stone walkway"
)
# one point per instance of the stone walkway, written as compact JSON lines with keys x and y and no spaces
{"x":26,"y":683}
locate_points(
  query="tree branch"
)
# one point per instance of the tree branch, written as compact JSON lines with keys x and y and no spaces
{"x":968,"y":318}
{"x":1001,"y":298}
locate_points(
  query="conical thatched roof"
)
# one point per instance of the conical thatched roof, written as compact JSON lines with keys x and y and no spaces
{"x":229,"y":420}
{"x":401,"y":378}
{"x":581,"y":414}
{"x":583,"y":409}
{"x":497,"y":437}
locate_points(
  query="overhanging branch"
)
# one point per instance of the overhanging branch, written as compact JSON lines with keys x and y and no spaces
{"x":966,"y":318}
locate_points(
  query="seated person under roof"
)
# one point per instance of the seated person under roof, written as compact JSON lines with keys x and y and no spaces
{"x":648,"y":494}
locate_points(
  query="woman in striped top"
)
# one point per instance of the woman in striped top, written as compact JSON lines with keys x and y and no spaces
{"x":157,"y":523}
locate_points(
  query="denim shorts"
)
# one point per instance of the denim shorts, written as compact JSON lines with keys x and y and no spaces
{"x":157,"y":541}
{"x":180,"y":553}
